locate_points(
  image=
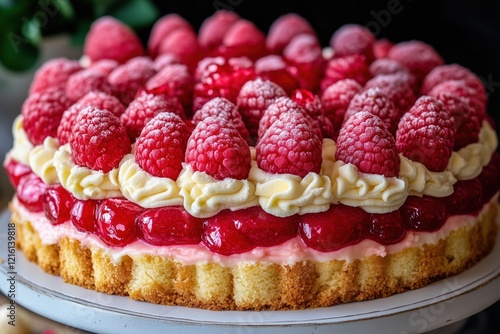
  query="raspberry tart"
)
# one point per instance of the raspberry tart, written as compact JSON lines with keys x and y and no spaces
{"x":227,"y":169}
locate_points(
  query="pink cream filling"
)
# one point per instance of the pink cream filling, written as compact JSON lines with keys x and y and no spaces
{"x":290,"y":252}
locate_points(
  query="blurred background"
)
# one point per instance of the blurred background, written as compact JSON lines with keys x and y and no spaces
{"x":464,"y":32}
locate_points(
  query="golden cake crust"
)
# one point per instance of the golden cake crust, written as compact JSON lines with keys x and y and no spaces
{"x":260,"y":285}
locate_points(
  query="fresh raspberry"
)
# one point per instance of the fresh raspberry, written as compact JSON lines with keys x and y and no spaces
{"x":104,"y":66}
{"x":347,"y":67}
{"x":93,"y":99}
{"x":67,"y":122}
{"x":305,"y":58}
{"x":109,"y":38}
{"x":99,"y":140}
{"x":206,"y":66}
{"x":353,"y":39}
{"x":128,"y":78}
{"x":390,"y":66}
{"x":213,"y":28}
{"x":426,"y":134}
{"x":467,"y":121}
{"x":375,"y":102}
{"x":115,"y":221}
{"x":336,"y":98}
{"x":166,"y":59}
{"x":103,"y":101}
{"x":254,"y":98}
{"x":279,"y":106}
{"x":222,"y":107}
{"x":162,"y":28}
{"x":381,"y":48}
{"x":53,"y":75}
{"x":460,"y":88}
{"x":452,"y":72}
{"x":216,"y":148}
{"x":83,"y":82}
{"x":243,"y":39}
{"x":173,"y":80}
{"x":42,"y":113}
{"x":386,"y":66}
{"x":220,"y":79}
{"x":396,"y":87}
{"x":420,"y":58}
{"x":274,"y":68}
{"x":312,"y":105}
{"x":159,"y":150}
{"x":290,"y":146}
{"x":284,"y":29}
{"x":365,"y":142}
{"x":144,"y":108}
{"x":184,"y":44}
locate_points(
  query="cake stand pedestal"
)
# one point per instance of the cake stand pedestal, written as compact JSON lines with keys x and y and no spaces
{"x":440,"y":304}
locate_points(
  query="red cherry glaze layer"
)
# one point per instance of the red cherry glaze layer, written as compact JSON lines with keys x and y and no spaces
{"x":338,"y":227}
{"x":119,"y":222}
{"x":262,"y":228}
{"x":387,"y":228}
{"x":15,"y":171}
{"x":115,"y":221}
{"x":424,"y":213}
{"x":467,"y":197}
{"x":221,"y":236}
{"x":30,"y":192}
{"x":83,"y":215}
{"x":169,"y":226}
{"x":57,"y":202}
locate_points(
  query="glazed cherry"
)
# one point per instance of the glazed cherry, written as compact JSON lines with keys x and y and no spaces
{"x":83,"y":215}
{"x":467,"y":197}
{"x":262,"y":228}
{"x":274,"y":68}
{"x":57,"y":202}
{"x":490,"y":177}
{"x":15,"y":171}
{"x":387,"y":228}
{"x":115,"y":221}
{"x":339,"y":226}
{"x":169,"y":226}
{"x":30,"y":192}
{"x":221,"y":236}
{"x":424,"y":213}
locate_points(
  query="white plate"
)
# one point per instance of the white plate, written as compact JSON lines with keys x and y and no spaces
{"x":434,"y":306}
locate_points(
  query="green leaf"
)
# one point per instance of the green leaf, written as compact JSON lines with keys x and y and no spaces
{"x":136,"y":13}
{"x":102,"y":7}
{"x":65,"y":8}
{"x":31,"y":31}
{"x":17,"y":53}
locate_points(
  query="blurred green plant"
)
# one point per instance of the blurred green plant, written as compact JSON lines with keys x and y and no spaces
{"x":25,"y":23}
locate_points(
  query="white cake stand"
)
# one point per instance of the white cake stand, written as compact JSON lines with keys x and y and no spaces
{"x":440,"y":304}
